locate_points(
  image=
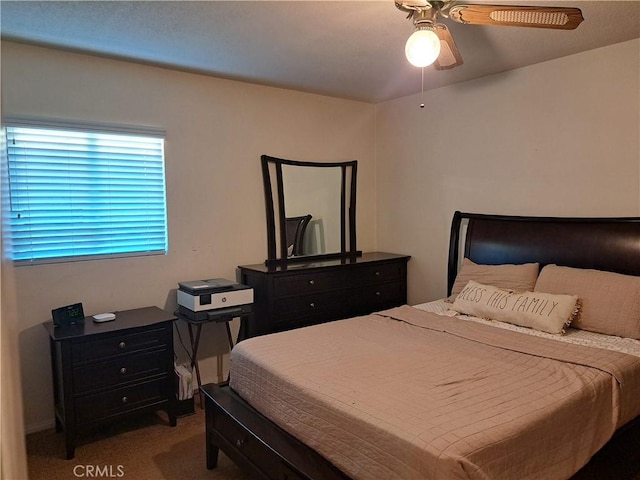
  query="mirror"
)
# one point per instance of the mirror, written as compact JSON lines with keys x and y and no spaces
{"x":310,"y":210}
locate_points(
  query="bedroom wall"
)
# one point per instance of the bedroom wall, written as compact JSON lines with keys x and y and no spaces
{"x":216,"y":131}
{"x":558,"y":138}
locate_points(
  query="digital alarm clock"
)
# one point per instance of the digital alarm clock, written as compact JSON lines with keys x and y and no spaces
{"x":68,"y":315}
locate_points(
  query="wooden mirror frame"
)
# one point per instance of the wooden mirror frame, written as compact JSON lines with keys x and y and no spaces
{"x":278,"y":256}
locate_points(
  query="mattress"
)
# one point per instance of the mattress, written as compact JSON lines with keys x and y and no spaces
{"x":408,"y":393}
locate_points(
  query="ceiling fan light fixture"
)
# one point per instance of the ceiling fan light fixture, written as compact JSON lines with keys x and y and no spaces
{"x":423,"y":47}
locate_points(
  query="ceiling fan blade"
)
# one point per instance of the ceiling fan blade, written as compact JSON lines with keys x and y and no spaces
{"x":449,"y":54}
{"x":513,"y":15}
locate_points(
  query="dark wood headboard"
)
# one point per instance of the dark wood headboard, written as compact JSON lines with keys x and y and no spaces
{"x":611,"y":244}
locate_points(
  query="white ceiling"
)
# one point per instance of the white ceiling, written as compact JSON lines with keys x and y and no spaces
{"x":347,"y":49}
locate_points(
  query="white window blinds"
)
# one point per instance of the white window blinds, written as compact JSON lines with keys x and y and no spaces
{"x":78,"y":194}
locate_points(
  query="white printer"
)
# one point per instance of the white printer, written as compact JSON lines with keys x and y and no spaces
{"x":213,"y":295}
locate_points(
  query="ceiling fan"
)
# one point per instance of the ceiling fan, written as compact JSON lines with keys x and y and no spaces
{"x":432,"y":42}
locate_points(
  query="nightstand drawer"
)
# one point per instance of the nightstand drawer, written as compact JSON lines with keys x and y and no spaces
{"x":112,"y":373}
{"x":307,"y":283}
{"x":117,"y":344}
{"x":388,"y":272}
{"x":107,"y":404}
{"x":324,"y":306}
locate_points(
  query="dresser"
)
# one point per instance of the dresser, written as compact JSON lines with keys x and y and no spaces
{"x":303,"y":294}
{"x":103,"y":372}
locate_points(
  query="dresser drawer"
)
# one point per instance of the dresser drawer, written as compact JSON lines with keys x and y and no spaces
{"x":322,"y":306}
{"x":376,"y":297}
{"x":383,"y":273}
{"x":124,"y":399}
{"x":118,"y":344}
{"x":126,"y":368}
{"x":307,"y":283}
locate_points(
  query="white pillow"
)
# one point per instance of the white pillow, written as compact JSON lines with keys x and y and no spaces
{"x":541,"y":311}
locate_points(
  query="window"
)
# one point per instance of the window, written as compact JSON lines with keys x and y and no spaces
{"x":78,"y":194}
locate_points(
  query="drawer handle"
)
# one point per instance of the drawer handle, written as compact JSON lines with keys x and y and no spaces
{"x":122,"y":345}
{"x":312,"y":282}
{"x":377,"y":274}
{"x":312,"y":305}
{"x":125,"y":399}
{"x":239,"y":443}
{"x":378,"y":294}
{"x":123,"y":370}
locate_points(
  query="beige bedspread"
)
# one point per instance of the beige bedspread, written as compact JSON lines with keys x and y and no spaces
{"x":409,"y":394}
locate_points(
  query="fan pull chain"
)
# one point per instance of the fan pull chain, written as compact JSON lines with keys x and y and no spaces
{"x":422,"y":98}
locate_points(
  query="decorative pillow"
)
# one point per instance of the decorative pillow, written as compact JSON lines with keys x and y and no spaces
{"x":540,"y":311}
{"x":610,"y":301}
{"x":519,"y":278}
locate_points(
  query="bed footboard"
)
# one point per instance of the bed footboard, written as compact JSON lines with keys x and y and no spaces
{"x":255,"y":443}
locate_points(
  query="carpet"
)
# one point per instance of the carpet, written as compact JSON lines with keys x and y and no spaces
{"x":144,"y":448}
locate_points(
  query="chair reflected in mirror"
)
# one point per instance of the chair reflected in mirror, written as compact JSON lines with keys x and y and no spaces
{"x":295,"y":227}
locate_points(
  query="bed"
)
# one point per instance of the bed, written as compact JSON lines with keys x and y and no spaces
{"x":427,"y":392}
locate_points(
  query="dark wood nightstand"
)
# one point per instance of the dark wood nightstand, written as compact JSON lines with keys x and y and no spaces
{"x":103,"y":372}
